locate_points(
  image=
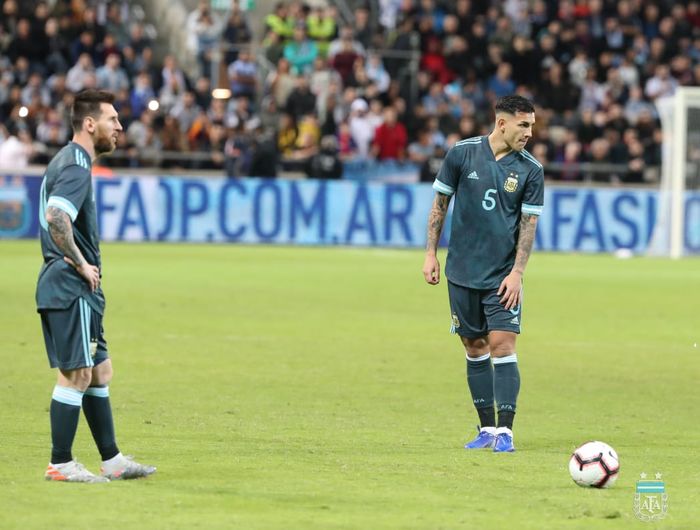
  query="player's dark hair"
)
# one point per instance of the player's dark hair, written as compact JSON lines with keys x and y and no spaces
{"x":87,"y":103}
{"x":514,"y":104}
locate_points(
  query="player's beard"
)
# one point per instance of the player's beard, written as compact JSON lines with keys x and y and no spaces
{"x":103,"y":143}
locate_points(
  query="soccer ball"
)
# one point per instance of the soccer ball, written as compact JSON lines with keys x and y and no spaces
{"x":594,"y":465}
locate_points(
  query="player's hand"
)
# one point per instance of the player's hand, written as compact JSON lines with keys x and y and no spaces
{"x":510,"y":290}
{"x":431,"y":269}
{"x":90,"y":273}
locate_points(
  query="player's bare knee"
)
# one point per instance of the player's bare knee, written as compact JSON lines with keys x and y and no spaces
{"x":102,"y":373}
{"x":79,"y":379}
{"x":502,"y":348}
{"x":476,"y":347}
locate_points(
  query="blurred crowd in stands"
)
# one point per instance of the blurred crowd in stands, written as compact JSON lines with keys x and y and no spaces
{"x":322,"y":89}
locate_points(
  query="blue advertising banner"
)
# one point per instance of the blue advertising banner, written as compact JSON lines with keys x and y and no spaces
{"x":330,"y":213}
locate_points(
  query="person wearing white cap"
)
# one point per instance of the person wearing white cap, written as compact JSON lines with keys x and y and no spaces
{"x":361,"y":128}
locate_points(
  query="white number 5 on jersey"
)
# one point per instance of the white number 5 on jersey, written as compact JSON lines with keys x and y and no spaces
{"x":489,"y":203}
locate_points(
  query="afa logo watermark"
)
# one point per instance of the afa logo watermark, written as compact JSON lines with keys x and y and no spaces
{"x":15,"y":208}
{"x":650,"y":499}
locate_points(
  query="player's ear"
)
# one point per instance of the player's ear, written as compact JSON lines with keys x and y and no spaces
{"x":89,"y":124}
{"x":501,"y":123}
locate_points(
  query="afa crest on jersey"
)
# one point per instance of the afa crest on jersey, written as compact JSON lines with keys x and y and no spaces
{"x":511,"y":183}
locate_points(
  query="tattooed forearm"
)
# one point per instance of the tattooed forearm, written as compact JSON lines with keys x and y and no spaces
{"x":528,"y":225}
{"x":436,"y":219}
{"x":61,"y":231}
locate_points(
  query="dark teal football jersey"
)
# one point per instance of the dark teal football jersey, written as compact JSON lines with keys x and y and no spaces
{"x":67,"y":185}
{"x":489,"y":196}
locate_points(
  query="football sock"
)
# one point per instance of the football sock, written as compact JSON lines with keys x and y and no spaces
{"x":98,"y":413}
{"x":480,"y":381}
{"x":506,"y":384}
{"x":64,"y":414}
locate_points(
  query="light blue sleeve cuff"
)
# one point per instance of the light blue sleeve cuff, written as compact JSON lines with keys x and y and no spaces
{"x":443,"y":188}
{"x":63,"y":205}
{"x":531,"y":209}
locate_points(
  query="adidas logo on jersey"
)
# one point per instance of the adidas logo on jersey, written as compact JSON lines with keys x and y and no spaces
{"x":514,"y":320}
{"x":473,"y":175}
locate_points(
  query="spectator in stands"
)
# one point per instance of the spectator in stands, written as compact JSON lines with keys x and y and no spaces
{"x":347,"y":149}
{"x":24,"y":44}
{"x":243,"y":75}
{"x":343,"y":61}
{"x":390,"y":138}
{"x":321,"y":25}
{"x":599,"y":153}
{"x":142,"y":136}
{"x":36,"y":88}
{"x":280,"y":83}
{"x":185,"y":111}
{"x":172,"y":139}
{"x":300,"y":101}
{"x":202,"y":92}
{"x":326,"y":164}
{"x":207,"y":31}
{"x":141,"y":94}
{"x":16,"y":150}
{"x":377,"y":73}
{"x":346,"y":40}
{"x":323,"y":82}
{"x":75,"y":79}
{"x":636,"y":105}
{"x":52,"y":130}
{"x":85,"y":44}
{"x":264,"y":156}
{"x":274,"y":47}
{"x":10,"y":17}
{"x":301,"y":51}
{"x":111,"y":76}
{"x":286,"y":135}
{"x":432,"y":164}
{"x":116,"y":24}
{"x":362,"y":29}
{"x":56,"y":48}
{"x":422,"y":148}
{"x":501,"y":83}
{"x":308,"y":137}
{"x":236,"y":34}
{"x":361,"y":129}
{"x":107,"y":47}
{"x":279,"y":22}
{"x":557,"y":92}
{"x":661,"y":84}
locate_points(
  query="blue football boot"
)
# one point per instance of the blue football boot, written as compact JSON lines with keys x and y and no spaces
{"x":504,"y":443}
{"x":483,"y":440}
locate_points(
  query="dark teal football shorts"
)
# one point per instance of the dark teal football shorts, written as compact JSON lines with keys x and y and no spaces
{"x":475,"y":312}
{"x":74,"y":337}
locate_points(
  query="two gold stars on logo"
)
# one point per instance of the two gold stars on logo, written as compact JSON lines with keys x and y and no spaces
{"x":644,"y":475}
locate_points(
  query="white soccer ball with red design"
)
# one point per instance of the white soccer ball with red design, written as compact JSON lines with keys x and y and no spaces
{"x":594,"y":465}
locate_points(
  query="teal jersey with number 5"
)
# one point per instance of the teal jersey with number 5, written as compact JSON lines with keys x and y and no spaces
{"x":489,"y":197}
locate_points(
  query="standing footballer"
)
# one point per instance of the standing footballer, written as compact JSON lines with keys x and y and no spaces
{"x":70,"y":299}
{"x":499,"y":194}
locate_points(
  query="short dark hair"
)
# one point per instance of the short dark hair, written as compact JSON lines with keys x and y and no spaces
{"x":513,"y":104}
{"x":87,"y":103}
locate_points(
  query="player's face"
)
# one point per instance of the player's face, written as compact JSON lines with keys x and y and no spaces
{"x":517,"y":129}
{"x":107,"y":129}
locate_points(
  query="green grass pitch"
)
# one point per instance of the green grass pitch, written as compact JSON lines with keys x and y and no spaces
{"x":319,"y":388}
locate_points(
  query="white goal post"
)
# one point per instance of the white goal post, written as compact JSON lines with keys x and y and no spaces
{"x":680,"y":167}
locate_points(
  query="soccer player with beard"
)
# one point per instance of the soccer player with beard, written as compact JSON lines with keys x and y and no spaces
{"x":499,"y":193}
{"x":70,"y":299}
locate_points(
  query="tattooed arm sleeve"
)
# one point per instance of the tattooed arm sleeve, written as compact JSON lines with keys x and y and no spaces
{"x":61,"y":230}
{"x":436,"y":220}
{"x":526,"y":239}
